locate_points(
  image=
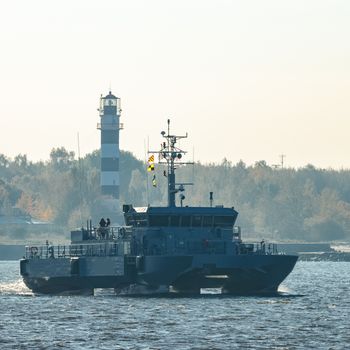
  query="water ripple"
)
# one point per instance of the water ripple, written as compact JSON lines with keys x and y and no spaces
{"x":310,"y":312}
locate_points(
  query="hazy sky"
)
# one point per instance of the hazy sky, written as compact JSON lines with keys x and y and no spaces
{"x":247,"y":79}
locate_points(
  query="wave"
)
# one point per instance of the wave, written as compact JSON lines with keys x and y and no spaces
{"x":14,"y":288}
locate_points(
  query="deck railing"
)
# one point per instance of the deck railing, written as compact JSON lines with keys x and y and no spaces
{"x":47,"y":251}
{"x":126,"y":246}
{"x":261,"y":248}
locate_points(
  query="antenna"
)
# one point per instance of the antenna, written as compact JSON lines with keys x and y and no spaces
{"x":171,"y":155}
{"x":80,"y":177}
{"x":147,"y":191}
{"x":282,"y":159}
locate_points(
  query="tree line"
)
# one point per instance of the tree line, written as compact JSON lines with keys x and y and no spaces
{"x":304,"y":204}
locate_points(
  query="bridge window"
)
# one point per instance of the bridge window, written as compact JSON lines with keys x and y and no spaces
{"x":158,"y":220}
{"x":207,"y":221}
{"x":196,"y":221}
{"x":185,"y":220}
{"x":136,"y":220}
{"x":223,"y":220}
{"x":175,"y":220}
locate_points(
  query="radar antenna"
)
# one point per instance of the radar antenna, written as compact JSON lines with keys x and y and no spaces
{"x":171,"y":155}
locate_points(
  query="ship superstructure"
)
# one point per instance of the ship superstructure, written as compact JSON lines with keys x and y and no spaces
{"x":174,"y":248}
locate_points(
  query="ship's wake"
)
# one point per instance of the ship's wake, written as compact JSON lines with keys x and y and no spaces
{"x":141,"y":290}
{"x":14,"y":288}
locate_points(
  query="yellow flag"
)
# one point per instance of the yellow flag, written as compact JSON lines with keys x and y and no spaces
{"x":151,"y":159}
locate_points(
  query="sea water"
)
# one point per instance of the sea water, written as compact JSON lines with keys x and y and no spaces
{"x":311,"y":312}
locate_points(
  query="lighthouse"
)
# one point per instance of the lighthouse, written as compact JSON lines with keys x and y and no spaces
{"x":110,"y":126}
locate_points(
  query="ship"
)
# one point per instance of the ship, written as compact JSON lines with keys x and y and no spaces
{"x":175,"y":248}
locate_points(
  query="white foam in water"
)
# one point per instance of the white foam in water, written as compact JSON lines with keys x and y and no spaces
{"x":14,"y":287}
{"x":137,"y":289}
{"x":211,"y":291}
{"x":343,"y":248}
{"x":104,"y":292}
{"x":283,"y":289}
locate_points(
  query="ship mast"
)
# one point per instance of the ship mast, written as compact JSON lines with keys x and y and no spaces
{"x":171,"y":155}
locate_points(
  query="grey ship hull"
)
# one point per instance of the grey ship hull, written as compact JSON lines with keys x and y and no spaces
{"x":77,"y":274}
{"x":238,"y":274}
{"x":71,"y":285}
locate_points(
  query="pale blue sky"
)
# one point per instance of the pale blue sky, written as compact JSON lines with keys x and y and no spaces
{"x":246,"y":79}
